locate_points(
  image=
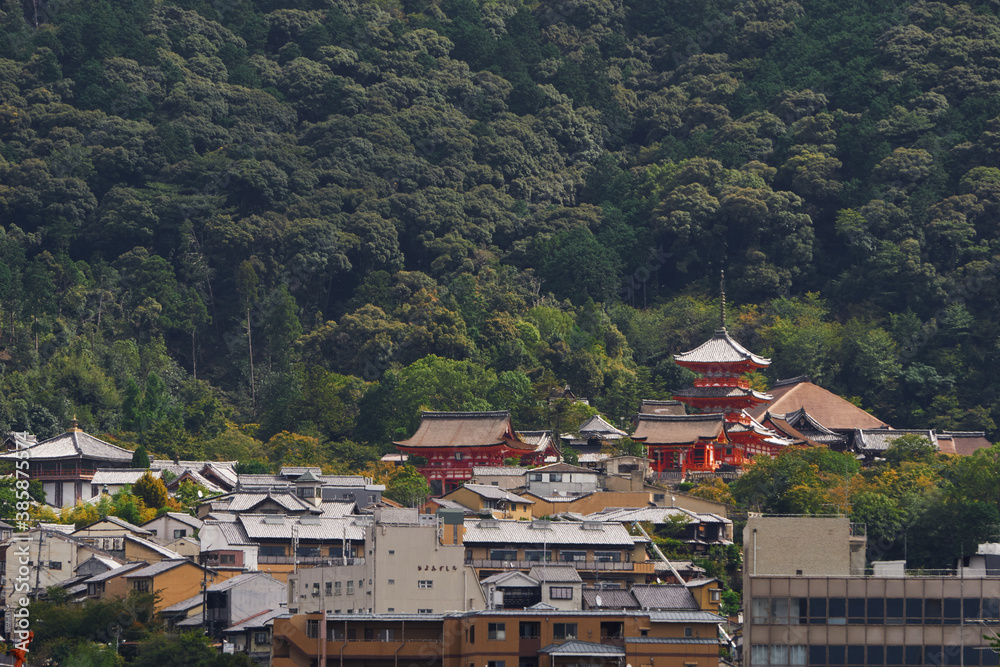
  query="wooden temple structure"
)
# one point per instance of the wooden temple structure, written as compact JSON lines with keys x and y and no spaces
{"x":447,"y":445}
{"x":723,"y":398}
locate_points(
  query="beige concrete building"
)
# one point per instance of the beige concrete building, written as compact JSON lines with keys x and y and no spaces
{"x":405,"y":569}
{"x":807,"y":600}
{"x":823,"y":546}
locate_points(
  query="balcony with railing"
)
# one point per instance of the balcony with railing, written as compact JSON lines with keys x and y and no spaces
{"x":313,"y":561}
{"x":581,"y":565}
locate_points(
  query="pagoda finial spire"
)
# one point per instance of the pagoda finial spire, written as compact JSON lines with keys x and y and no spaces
{"x":722,"y":303}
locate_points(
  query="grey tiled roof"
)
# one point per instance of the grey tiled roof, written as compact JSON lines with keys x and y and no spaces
{"x":233,"y":533}
{"x":73,"y":444}
{"x":257,"y":620}
{"x":194,"y":621}
{"x":184,"y":605}
{"x":158,"y":568}
{"x":118,"y":476}
{"x":499,"y":471}
{"x":671,"y":640}
{"x":720,"y":348}
{"x":239,"y":580}
{"x":665,"y":597}
{"x":565,"y":467}
{"x":576,"y":647}
{"x":879,"y":439}
{"x":611,"y":598}
{"x":111,"y":574}
{"x":558,"y":573}
{"x":244,"y":502}
{"x":686,"y":617}
{"x":653,"y":514}
{"x":257,"y":528}
{"x":496,"y":493}
{"x":121,"y":523}
{"x":599,"y":427}
{"x":500,"y":531}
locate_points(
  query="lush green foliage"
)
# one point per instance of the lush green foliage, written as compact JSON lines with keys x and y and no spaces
{"x":273,"y":232}
{"x":929,"y":508}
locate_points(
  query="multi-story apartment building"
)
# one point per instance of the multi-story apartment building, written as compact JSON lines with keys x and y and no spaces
{"x":500,"y":638}
{"x":601,"y":552}
{"x":809,"y":601}
{"x":406,"y":568}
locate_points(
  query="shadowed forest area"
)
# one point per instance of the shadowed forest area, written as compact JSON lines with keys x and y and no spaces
{"x":276,"y":230}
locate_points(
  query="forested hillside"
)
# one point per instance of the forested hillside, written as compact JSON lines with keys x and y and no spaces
{"x":319,"y":216}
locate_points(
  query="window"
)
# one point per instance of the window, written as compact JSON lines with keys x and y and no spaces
{"x":497,"y":631}
{"x":458,"y":456}
{"x":392,"y":581}
{"x":261,"y":638}
{"x":141,"y":585}
{"x":392,"y":609}
{"x":329,"y":588}
{"x":55,"y":564}
{"x":503,"y":554}
{"x":496,"y":663}
{"x":425,"y":583}
{"x":180,"y":532}
{"x":425,"y":611}
{"x":555,"y":477}
{"x":272,"y":551}
{"x":306,"y":492}
{"x":392,"y":552}
{"x":715,"y":594}
{"x":537,"y":555}
{"x":688,"y":632}
{"x":472,"y":634}
{"x":307,"y":552}
{"x":572,"y":556}
{"x":227,"y":559}
{"x":535,"y":477}
{"x":350,"y":587}
{"x":530,"y":630}
{"x":316,"y":590}
{"x":564,"y":630}
{"x":561,"y":592}
{"x":312,"y":629}
{"x":336,"y":588}
{"x":778,"y":655}
{"x":608,"y":556}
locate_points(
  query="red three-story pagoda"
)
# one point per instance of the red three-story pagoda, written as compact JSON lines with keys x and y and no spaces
{"x":723,"y":390}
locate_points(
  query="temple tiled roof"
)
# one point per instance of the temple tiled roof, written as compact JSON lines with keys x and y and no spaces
{"x":74,"y":443}
{"x":966,"y":442}
{"x":678,"y":429}
{"x":465,"y":429}
{"x":824,"y":406}
{"x":652,"y":407}
{"x":880,"y":439}
{"x":596,"y":426}
{"x":720,"y":349}
{"x":721,"y":392}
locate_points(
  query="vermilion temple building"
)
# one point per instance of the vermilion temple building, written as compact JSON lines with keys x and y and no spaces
{"x":724,"y":433}
{"x":452,"y":443}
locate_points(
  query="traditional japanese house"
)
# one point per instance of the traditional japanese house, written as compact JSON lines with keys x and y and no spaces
{"x":67,"y":463}
{"x":450,"y":444}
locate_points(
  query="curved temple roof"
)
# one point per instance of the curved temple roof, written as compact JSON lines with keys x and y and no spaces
{"x":720,"y":349}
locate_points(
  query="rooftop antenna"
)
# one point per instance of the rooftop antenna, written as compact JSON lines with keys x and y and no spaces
{"x":722,"y":302}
